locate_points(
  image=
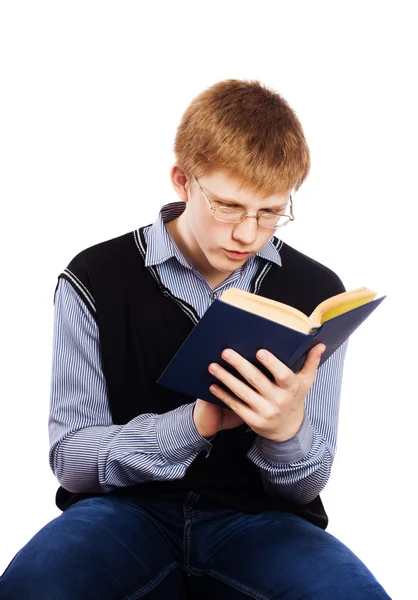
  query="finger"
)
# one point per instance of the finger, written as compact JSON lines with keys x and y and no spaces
{"x":250,"y":372}
{"x":238,"y":388}
{"x":283,"y":376}
{"x":235,"y":404}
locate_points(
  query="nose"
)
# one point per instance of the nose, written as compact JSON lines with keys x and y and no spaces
{"x":246,"y":231}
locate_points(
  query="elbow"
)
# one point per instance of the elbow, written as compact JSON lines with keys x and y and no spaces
{"x":70,"y":483}
{"x":72,"y":474}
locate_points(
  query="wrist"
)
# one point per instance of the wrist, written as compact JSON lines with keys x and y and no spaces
{"x":204,"y":433}
{"x":201,"y":430}
{"x":289,"y":432}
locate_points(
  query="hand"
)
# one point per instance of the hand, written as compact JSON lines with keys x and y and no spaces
{"x":210,"y":418}
{"x":275,"y":409}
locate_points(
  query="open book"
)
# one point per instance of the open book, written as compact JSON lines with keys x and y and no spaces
{"x":294,"y":318}
{"x":248,"y":322}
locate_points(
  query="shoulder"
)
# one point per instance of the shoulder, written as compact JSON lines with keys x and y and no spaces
{"x":110,"y":253}
{"x":102,"y":266}
{"x":108,"y":250}
{"x":311,"y":272}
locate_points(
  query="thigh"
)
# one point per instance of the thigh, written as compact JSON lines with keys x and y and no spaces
{"x":271,"y":556}
{"x":102,"y":547}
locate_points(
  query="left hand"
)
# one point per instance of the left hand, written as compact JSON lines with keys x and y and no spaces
{"x":275,"y":409}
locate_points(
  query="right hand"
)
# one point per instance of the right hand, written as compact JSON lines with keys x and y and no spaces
{"x":210,"y":418}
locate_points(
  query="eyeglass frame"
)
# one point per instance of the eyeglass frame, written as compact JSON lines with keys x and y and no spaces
{"x":244,"y":214}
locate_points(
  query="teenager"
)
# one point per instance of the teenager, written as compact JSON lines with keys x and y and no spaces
{"x":167,"y":496}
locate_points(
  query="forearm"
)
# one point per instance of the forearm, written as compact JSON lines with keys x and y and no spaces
{"x":149,"y":448}
{"x":299,"y":468}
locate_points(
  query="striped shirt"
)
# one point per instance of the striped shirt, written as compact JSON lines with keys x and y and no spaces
{"x":88,"y":453}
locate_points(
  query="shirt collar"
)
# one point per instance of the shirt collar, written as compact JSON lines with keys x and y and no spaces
{"x":161,"y":247}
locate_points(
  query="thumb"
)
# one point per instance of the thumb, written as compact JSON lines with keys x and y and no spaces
{"x":313,"y":359}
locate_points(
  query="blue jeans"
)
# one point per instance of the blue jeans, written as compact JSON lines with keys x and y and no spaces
{"x":178,"y":547}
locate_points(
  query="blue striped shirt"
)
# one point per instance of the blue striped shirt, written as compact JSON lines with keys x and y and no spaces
{"x":88,"y":453}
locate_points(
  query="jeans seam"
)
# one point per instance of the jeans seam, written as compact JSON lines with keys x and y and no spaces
{"x":235,"y":584}
{"x":187,"y":536}
{"x":189,"y":513}
{"x":153,"y":583}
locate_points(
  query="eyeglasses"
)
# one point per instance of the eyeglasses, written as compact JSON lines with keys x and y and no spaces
{"x":229,"y":214}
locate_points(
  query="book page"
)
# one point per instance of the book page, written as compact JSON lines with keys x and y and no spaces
{"x":346,"y":307}
{"x":267,"y":308}
{"x":341,"y":303}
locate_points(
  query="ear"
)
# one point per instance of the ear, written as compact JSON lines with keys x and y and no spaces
{"x":179,"y":181}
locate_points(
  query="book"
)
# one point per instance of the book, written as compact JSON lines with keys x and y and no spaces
{"x":247,"y":322}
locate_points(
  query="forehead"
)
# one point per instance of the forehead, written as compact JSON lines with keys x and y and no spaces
{"x":223,"y":186}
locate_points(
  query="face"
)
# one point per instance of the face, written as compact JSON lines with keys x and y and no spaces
{"x":204,"y":240}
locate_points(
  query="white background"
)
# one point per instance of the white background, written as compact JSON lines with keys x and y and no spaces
{"x":91,"y":95}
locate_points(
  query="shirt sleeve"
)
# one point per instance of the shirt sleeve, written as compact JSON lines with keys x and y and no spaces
{"x":88,"y":453}
{"x":299,"y":468}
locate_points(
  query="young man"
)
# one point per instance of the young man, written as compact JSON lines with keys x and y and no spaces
{"x":165,"y":496}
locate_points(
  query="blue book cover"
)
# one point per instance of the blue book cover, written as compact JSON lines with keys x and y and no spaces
{"x":226,"y":326}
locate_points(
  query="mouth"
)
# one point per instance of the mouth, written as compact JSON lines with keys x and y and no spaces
{"x":236,"y":255}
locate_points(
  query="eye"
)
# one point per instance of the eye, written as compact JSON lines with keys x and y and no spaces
{"x":231,"y":206}
{"x":274,"y":212}
{"x":270,"y":212}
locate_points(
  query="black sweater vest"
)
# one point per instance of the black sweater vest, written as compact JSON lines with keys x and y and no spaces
{"x":142,"y":325}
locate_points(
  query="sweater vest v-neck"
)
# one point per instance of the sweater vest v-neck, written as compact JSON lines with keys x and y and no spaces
{"x":141,"y":326}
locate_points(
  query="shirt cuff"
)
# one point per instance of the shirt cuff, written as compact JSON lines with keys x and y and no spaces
{"x":289,"y":451}
{"x":177,"y":434}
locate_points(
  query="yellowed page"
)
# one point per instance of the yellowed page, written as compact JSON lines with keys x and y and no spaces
{"x":341,"y":303}
{"x":346,"y":307}
{"x":267,"y":308}
{"x":292,"y":317}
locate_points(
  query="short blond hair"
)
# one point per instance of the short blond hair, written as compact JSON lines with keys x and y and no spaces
{"x":247,"y":130}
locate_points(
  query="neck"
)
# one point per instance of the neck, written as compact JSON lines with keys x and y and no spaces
{"x":178,"y":233}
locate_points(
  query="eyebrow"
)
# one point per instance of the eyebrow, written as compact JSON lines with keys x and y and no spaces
{"x":215,"y":197}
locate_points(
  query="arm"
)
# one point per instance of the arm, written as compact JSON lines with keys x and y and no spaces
{"x":87,"y":452}
{"x":299,"y":468}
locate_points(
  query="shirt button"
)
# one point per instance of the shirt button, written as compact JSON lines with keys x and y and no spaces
{"x":214,"y":295}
